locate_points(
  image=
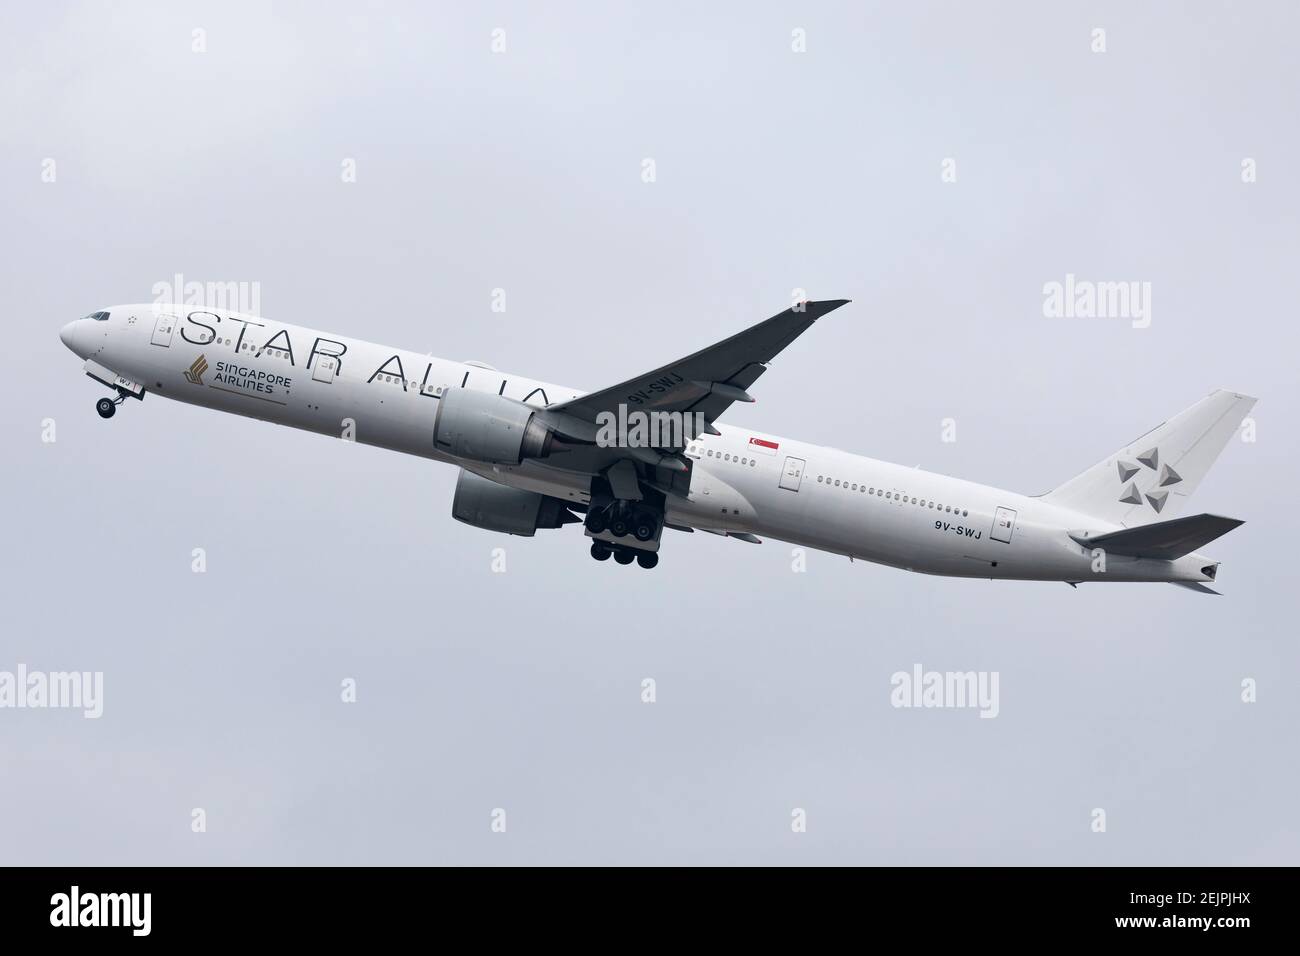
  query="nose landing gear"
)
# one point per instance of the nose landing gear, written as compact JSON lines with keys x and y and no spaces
{"x":107,"y":407}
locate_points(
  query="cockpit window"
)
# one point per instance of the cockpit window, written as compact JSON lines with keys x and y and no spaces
{"x":97,"y":316}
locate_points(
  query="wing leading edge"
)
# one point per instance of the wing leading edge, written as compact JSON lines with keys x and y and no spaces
{"x":707,"y":381}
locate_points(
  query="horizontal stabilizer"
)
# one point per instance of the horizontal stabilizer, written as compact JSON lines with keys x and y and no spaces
{"x":1196,"y":586}
{"x":1163,"y":540}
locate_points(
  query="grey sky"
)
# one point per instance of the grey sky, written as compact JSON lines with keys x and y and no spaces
{"x":522,"y":171}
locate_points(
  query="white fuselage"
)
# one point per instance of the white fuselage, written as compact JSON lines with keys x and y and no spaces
{"x":770,"y":486}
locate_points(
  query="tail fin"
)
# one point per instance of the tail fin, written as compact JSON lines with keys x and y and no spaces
{"x":1151,"y":478}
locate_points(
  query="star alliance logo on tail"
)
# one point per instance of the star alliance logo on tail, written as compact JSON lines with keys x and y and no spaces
{"x":194,"y":374}
{"x":1158,"y":495}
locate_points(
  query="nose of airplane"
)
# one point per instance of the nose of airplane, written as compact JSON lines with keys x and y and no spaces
{"x":68,"y":335}
{"x":73,"y":336}
{"x":87,"y":334}
{"x":82,"y":336}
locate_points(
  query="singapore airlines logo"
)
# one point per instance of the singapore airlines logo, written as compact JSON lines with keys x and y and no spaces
{"x":1165,"y":476}
{"x":194,"y":374}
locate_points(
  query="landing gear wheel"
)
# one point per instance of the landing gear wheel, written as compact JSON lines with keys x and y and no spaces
{"x":647,"y":559}
{"x":106,"y":407}
{"x":596,"y":522}
{"x":619,"y":526}
{"x":623,"y":557}
{"x":599,"y":551}
{"x":643,"y":527}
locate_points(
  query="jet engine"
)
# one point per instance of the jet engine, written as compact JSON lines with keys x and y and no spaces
{"x":483,"y":503}
{"x":489,"y":428}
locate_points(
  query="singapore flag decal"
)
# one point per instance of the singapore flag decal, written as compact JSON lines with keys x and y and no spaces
{"x":763,"y":445}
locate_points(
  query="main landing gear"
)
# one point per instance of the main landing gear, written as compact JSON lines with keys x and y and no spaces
{"x":634,"y":520}
{"x":622,"y":518}
{"x":623,"y":555}
{"x":107,"y":407}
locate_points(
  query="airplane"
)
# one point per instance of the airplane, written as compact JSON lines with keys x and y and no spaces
{"x":648,"y":454}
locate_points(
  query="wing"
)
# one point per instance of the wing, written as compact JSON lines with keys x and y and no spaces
{"x":705,"y":382}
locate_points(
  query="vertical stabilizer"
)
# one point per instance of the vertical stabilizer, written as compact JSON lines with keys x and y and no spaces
{"x":1151,"y":478}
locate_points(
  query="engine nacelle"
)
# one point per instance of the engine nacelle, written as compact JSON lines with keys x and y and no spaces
{"x":485,"y":504}
{"x":489,"y":428}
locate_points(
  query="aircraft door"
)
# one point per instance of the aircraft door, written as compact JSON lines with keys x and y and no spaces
{"x":163,"y":329}
{"x":792,"y":473}
{"x":323,"y":368}
{"x":1004,"y":523}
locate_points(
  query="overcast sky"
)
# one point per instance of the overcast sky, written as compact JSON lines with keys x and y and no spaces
{"x":523,"y":170}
